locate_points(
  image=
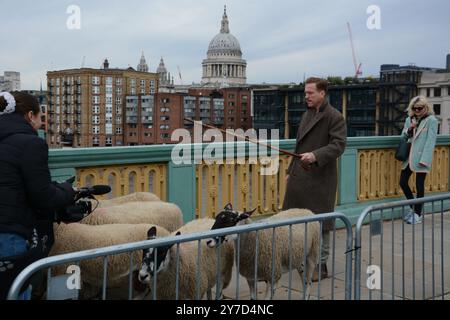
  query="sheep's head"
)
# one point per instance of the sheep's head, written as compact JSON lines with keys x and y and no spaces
{"x":225,"y":219}
{"x":154,"y":260}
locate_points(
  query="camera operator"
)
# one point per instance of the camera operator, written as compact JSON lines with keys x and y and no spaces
{"x":28,"y":197}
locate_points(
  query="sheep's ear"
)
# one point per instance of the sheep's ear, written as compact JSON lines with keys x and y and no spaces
{"x":246,"y":214}
{"x":151,"y":233}
{"x":228,"y":207}
{"x":178,"y":233}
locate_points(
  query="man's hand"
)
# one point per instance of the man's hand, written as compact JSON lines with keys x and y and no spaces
{"x":307,"y":158}
{"x":286,"y":179}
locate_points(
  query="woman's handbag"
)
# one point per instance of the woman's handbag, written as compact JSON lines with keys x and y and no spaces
{"x":402,"y":152}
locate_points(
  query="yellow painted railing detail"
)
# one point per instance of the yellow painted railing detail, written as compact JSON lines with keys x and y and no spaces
{"x":379,"y":174}
{"x":240,"y":184}
{"x":126,"y":179}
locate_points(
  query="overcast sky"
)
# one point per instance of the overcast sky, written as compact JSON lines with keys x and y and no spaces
{"x":282,"y":40}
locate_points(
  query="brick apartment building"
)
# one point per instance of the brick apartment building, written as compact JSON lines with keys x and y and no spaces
{"x":225,"y":108}
{"x":90,"y":108}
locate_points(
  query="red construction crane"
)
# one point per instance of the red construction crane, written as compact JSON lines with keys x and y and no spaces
{"x":358,"y":71}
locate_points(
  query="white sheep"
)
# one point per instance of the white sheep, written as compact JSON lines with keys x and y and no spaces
{"x":164,"y":214}
{"x":229,"y":218}
{"x":78,"y":237}
{"x":166,"y":266}
{"x":132,"y":197}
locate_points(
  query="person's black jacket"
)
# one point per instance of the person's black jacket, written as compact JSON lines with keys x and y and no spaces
{"x":27,"y":194}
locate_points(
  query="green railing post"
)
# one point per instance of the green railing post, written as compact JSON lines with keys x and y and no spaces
{"x":181,"y":188}
{"x":348,"y":175}
{"x":448,"y":187}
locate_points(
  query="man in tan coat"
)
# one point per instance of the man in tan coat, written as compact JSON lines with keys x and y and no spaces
{"x":312,"y":177}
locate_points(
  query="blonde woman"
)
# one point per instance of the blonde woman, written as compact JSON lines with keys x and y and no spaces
{"x":421,"y":128}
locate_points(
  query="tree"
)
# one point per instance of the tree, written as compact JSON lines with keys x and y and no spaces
{"x":335,"y":81}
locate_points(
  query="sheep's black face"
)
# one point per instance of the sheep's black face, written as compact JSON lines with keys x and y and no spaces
{"x":153,"y":260}
{"x":226,"y":219}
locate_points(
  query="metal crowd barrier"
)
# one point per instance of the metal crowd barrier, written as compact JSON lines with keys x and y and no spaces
{"x":415,"y":257}
{"x":103,"y":253}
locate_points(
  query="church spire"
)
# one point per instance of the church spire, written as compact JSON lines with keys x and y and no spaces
{"x":164,"y":76}
{"x":225,"y":25}
{"x":161,"y":67}
{"x":142,"y":66}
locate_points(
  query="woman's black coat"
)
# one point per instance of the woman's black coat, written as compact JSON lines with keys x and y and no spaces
{"x":27,"y":195}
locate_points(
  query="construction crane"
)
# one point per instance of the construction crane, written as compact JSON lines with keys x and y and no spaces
{"x":179,"y":74}
{"x":358,"y":71}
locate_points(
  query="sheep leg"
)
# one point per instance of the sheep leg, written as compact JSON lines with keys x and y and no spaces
{"x":310,"y":266}
{"x":302,"y":279}
{"x":270,"y":290}
{"x":306,"y":286}
{"x":219,"y":288}
{"x":305,"y":282}
{"x":251,"y":285}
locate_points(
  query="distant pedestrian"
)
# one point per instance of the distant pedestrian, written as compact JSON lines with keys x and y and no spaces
{"x":421,"y":128}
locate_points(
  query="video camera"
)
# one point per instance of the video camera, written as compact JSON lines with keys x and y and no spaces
{"x":83,"y":204}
